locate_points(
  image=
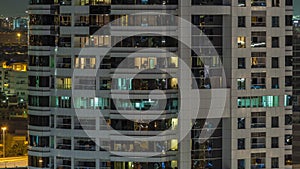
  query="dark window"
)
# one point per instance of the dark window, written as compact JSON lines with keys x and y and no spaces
{"x":275,"y":162}
{"x":289,"y":2}
{"x":38,"y":101}
{"x":241,"y":63}
{"x":258,"y":140}
{"x":143,"y":2}
{"x":241,"y":21}
{"x":63,"y":122}
{"x":275,"y":62}
{"x":258,"y":80}
{"x":241,"y":164}
{"x":242,"y":3}
{"x":38,"y":61}
{"x":258,"y":3}
{"x":258,"y":119}
{"x":275,"y":83}
{"x":241,"y":144}
{"x":288,"y":60}
{"x":258,"y":39}
{"x":65,"y":2}
{"x":36,"y":19}
{"x":33,"y":2}
{"x":275,"y":42}
{"x":275,"y":3}
{"x":289,"y":40}
{"x":275,"y":21}
{"x":38,"y":81}
{"x":288,"y":80}
{"x":288,"y":119}
{"x":39,"y":141}
{"x":275,"y":122}
{"x":206,"y":2}
{"x":41,"y":40}
{"x":64,"y":42}
{"x":38,"y":120}
{"x":274,"y":142}
{"x":241,"y":123}
{"x":289,"y":20}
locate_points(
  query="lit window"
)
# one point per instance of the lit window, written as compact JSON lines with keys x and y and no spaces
{"x":288,"y":159}
{"x":258,"y":101}
{"x":288,"y":101}
{"x":258,"y":160}
{"x":241,"y":41}
{"x":258,"y":59}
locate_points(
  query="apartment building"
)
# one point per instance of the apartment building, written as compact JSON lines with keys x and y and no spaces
{"x":296,"y":110}
{"x":143,"y":84}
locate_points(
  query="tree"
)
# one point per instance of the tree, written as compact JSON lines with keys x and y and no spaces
{"x":14,"y":148}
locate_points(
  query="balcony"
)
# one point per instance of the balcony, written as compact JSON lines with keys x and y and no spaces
{"x":84,"y":144}
{"x":63,"y":143}
{"x":64,"y":83}
{"x":84,"y":164}
{"x":258,"y":21}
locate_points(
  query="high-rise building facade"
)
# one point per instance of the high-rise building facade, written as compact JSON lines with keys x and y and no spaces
{"x":296,"y":96}
{"x":143,"y":84}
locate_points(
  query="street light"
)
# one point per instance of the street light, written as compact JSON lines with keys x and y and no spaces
{"x":3,"y":129}
{"x":19,"y":37}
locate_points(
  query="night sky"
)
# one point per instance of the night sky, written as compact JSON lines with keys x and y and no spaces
{"x":14,"y":7}
{"x":18,"y":7}
{"x":296,"y":7}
